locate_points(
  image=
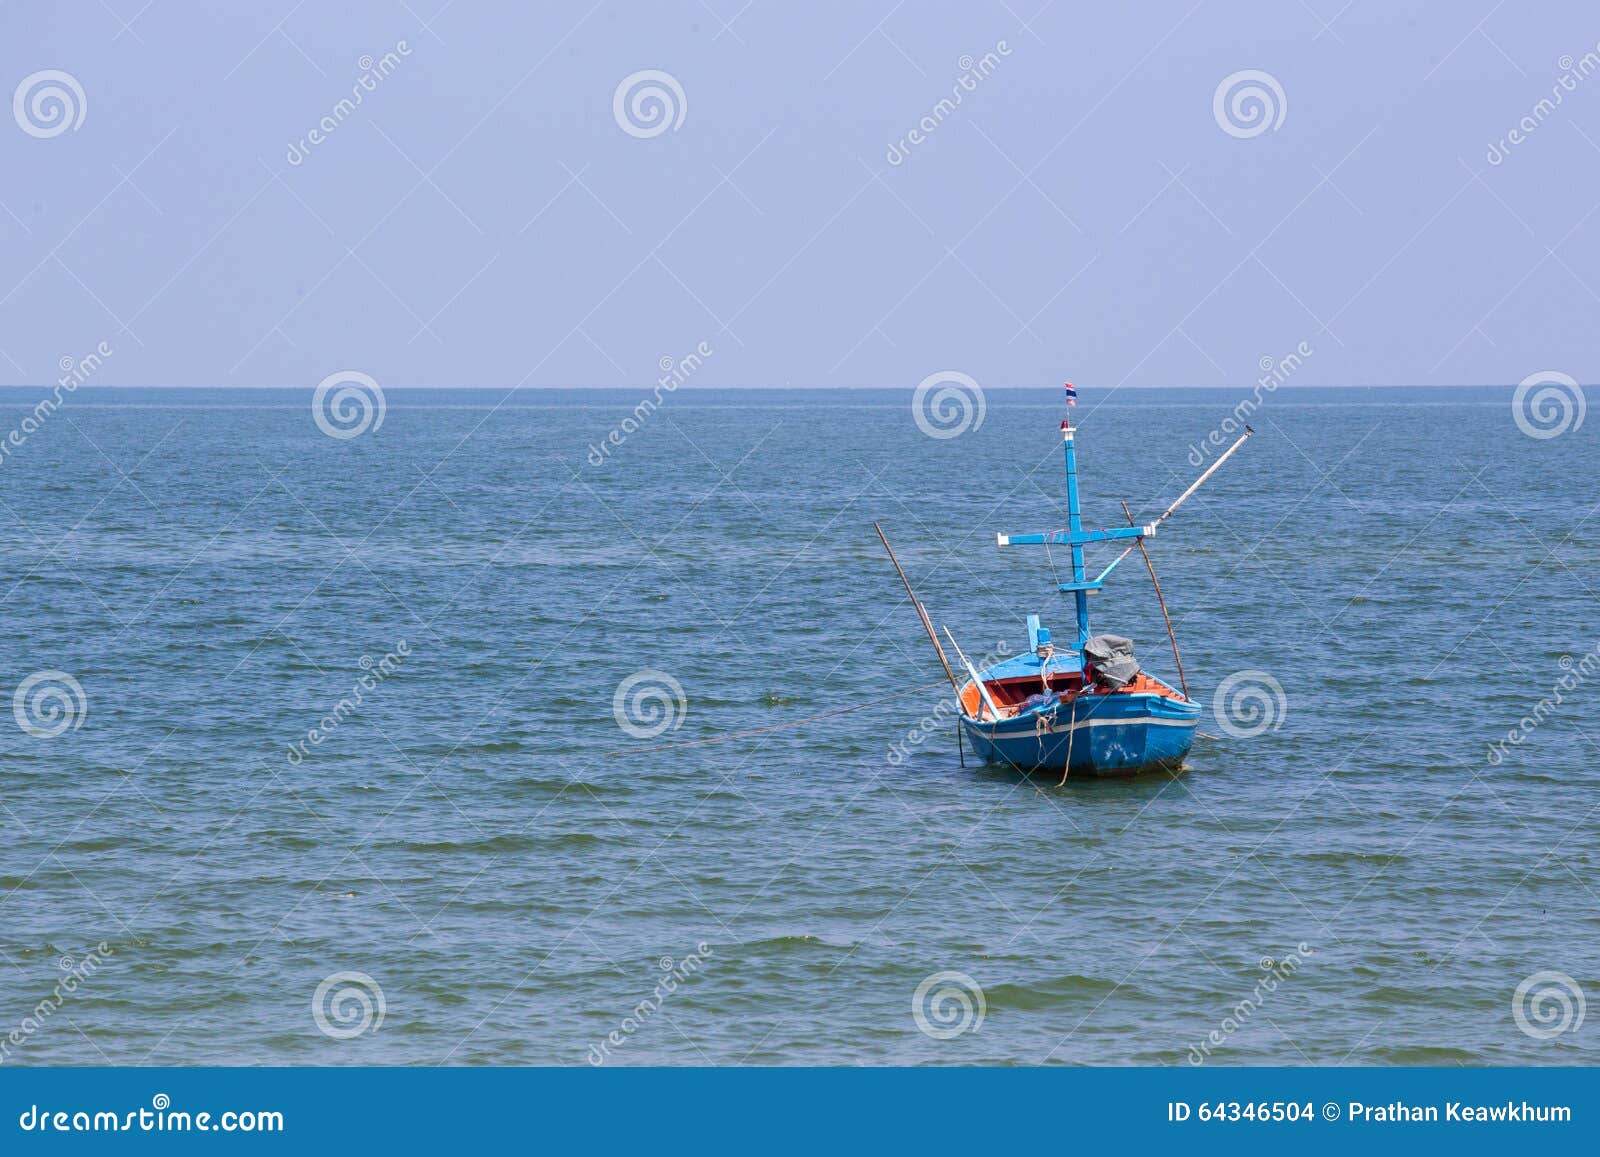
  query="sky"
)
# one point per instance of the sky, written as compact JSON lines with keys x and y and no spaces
{"x":798,"y":191}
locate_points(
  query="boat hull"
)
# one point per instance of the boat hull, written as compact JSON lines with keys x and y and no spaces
{"x":1099,"y":735}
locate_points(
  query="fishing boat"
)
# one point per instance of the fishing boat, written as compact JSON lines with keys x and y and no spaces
{"x":1085,"y":708}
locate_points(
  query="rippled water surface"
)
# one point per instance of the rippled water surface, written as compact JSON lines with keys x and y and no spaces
{"x":512,"y":870}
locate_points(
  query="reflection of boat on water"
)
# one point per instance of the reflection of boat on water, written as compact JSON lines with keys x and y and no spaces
{"x":1087,"y":708}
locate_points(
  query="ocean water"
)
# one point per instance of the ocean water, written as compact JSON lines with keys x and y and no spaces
{"x":478,"y":864}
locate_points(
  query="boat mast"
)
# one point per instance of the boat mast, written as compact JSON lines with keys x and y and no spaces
{"x":1075,"y":526}
{"x":1075,"y":537}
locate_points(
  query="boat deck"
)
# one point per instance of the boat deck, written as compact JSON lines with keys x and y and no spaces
{"x":1009,"y":694}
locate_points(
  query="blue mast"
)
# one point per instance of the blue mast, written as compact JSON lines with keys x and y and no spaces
{"x":1075,"y":525}
{"x":1076,"y":538}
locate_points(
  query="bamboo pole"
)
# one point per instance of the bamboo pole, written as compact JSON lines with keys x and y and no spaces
{"x":1155,"y":582}
{"x":922,"y":614}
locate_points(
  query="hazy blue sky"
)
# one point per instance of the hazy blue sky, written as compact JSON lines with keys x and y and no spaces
{"x":483,"y":218}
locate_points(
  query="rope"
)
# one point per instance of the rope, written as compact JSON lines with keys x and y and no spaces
{"x":1072,"y":723}
{"x":774,"y":727}
{"x":1072,"y":733}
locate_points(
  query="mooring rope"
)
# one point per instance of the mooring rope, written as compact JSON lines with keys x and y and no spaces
{"x":775,"y":726}
{"x":1072,"y":733}
{"x":1072,"y":725}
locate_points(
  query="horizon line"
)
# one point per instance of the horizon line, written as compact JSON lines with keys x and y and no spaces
{"x":686,"y":387}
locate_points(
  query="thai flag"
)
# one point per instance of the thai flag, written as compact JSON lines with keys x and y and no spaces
{"x":1072,"y":395}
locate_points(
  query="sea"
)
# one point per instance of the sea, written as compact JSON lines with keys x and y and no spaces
{"x":594,"y":728}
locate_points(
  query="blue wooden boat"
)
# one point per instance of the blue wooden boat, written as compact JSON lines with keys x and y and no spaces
{"x":1085,"y":708}
{"x":1074,"y":727}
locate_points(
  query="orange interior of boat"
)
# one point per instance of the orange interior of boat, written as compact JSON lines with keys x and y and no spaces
{"x":1008,"y":693}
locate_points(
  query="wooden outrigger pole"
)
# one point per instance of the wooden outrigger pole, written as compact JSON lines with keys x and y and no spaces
{"x":1155,"y":582}
{"x":927,"y":623}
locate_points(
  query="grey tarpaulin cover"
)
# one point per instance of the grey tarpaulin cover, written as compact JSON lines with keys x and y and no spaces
{"x":1112,"y":657}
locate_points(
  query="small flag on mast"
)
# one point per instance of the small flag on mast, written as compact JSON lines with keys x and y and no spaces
{"x":1072,"y":395}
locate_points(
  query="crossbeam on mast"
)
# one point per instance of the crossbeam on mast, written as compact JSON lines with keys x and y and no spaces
{"x":1076,"y":538}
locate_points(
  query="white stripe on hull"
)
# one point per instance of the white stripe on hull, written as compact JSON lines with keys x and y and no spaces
{"x":1062,"y":729}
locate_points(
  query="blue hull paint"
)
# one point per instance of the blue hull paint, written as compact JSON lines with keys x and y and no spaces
{"x":1113,"y":735}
